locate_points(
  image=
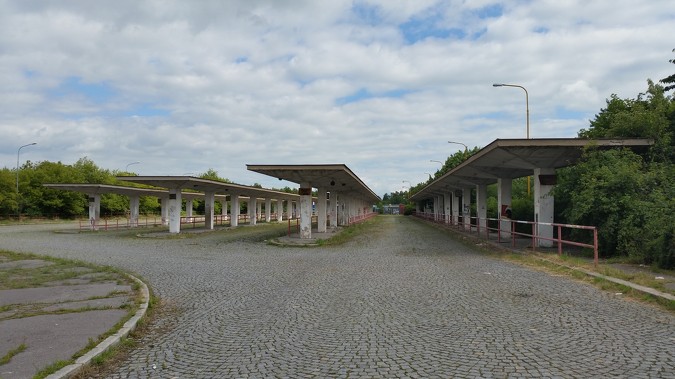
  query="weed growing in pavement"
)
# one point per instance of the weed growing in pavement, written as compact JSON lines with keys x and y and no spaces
{"x":10,"y":354}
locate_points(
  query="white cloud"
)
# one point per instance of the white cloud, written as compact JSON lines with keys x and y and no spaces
{"x":219,"y":84}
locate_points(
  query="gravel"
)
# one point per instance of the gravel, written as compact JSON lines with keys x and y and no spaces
{"x":404,"y":301}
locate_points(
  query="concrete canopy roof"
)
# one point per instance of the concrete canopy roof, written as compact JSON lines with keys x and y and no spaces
{"x":207,"y":185}
{"x":98,"y":189}
{"x":337,"y":177}
{"x":516,"y":158}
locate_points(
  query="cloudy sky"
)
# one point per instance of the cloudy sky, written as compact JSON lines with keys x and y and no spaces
{"x":379,"y":85}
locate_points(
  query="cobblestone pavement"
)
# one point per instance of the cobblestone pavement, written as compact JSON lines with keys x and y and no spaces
{"x":406,"y":301}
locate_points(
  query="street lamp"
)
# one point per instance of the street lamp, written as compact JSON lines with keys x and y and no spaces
{"x":466,"y":148}
{"x":126,"y":169}
{"x":527,"y":116}
{"x":18,"y":208}
{"x":431,"y":160}
{"x":527,"y":103}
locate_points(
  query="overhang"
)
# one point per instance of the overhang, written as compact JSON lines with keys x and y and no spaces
{"x":515,"y":158}
{"x":336,"y":177}
{"x":98,"y":189}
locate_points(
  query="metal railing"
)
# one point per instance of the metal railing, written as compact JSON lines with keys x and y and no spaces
{"x":512,"y":231}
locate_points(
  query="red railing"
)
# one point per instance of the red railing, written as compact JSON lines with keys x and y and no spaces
{"x":483,"y":225}
{"x":361,"y":217}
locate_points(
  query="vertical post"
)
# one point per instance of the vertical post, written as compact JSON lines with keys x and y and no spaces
{"x":559,"y":240}
{"x":305,"y":192}
{"x":234,"y":209}
{"x":321,"y":210}
{"x":209,"y":205}
{"x":134,"y":205}
{"x":175,"y":207}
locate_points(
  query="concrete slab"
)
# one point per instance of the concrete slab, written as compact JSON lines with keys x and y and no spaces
{"x":109,"y":302}
{"x":59,"y":293}
{"x":50,"y":338}
{"x":25,"y":264}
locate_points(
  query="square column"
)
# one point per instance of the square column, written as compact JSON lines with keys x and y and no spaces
{"x":209,"y":206}
{"x":481,"y":206}
{"x":268,"y":209}
{"x":234,"y":212}
{"x":447,"y":207}
{"x":455,"y":208}
{"x":305,"y":192}
{"x":252,"y":209}
{"x":134,"y":206}
{"x":164,"y":210}
{"x":333,"y":211}
{"x":544,"y":181}
{"x":223,"y":208}
{"x":321,"y":210}
{"x":94,"y":210}
{"x":188,"y":208}
{"x":466,"y":208}
{"x":175,"y":207}
{"x":259,"y":208}
{"x":504,"y":205}
{"x":280,"y":210}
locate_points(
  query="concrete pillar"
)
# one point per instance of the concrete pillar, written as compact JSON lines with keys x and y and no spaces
{"x":234,"y":211}
{"x":94,"y":211}
{"x":252,"y":210}
{"x":504,"y":203}
{"x":456,"y":207}
{"x":268,"y":209}
{"x":466,"y":208}
{"x":209,"y":207}
{"x":305,"y":192}
{"x":280,"y":210}
{"x":134,"y":206}
{"x":223,"y":208}
{"x":175,"y":207}
{"x":333,"y":211}
{"x":259,"y":208}
{"x":544,"y":181}
{"x":447,"y":208}
{"x":164,"y":210}
{"x":188,"y":207}
{"x":481,"y":206}
{"x":321,"y":210}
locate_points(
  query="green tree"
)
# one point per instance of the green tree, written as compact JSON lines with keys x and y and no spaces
{"x":669,"y":81}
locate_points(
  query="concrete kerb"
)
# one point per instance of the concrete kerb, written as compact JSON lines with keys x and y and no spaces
{"x":111,"y":341}
{"x":637,"y":287}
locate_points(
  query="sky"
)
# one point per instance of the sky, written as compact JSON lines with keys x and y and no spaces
{"x":381,"y":86}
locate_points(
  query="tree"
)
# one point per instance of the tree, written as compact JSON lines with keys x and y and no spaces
{"x":669,"y":81}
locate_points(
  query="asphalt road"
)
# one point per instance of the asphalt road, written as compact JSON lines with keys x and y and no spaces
{"x":405,"y":301}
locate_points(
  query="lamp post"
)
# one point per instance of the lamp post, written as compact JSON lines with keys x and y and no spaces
{"x":126,"y":169}
{"x":527,"y":116}
{"x":466,"y":148}
{"x":431,"y":160}
{"x":18,"y":206}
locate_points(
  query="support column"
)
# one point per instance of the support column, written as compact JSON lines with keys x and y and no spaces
{"x":321,"y":210}
{"x":94,"y":210}
{"x":134,"y":206}
{"x":544,"y":181}
{"x":259,"y":208}
{"x":280,"y":210}
{"x":164,"y":210}
{"x":209,"y":206}
{"x":466,"y":208}
{"x":305,"y":192}
{"x":252,"y":210}
{"x":188,"y":208}
{"x":223,"y":208}
{"x":234,"y":211}
{"x":175,"y":207}
{"x":481,"y":206}
{"x":455,"y":208}
{"x":268,"y":209}
{"x":333,"y":212}
{"x":447,"y":208}
{"x":504,"y":205}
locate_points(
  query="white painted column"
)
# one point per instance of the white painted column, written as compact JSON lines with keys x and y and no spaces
{"x":252,"y":210}
{"x":466,"y":208}
{"x":481,"y":207}
{"x":321,"y":210}
{"x":164,"y":210}
{"x":188,"y":207}
{"x":234,"y":211}
{"x":259,"y":208}
{"x":175,"y":207}
{"x":209,"y":206}
{"x":447,"y":208}
{"x":456,"y":207}
{"x":268,"y":209}
{"x":504,"y":203}
{"x":280,"y":210}
{"x":94,"y":211}
{"x":134,"y":206}
{"x":223,"y":208}
{"x":543,"y":204}
{"x":333,"y":211}
{"x":305,"y":192}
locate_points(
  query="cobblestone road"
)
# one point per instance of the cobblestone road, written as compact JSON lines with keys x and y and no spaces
{"x":404,"y":302}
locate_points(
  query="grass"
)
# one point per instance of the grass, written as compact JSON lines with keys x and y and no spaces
{"x":10,"y":354}
{"x":353,"y":231}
